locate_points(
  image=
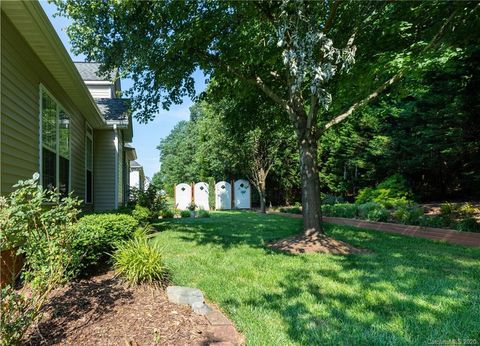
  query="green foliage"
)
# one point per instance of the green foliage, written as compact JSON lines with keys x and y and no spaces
{"x":469,"y":224}
{"x":98,"y":234}
{"x":434,"y":221}
{"x":448,"y":209}
{"x":346,"y":210}
{"x":365,"y":208}
{"x":467,"y":210}
{"x":185,"y":213}
{"x":37,"y":225}
{"x":203,"y":213}
{"x":167,"y":214}
{"x":332,"y":199}
{"x":211,"y":192}
{"x":151,"y":198}
{"x":139,"y":260}
{"x":409,"y":215}
{"x":17,"y":313}
{"x":192,"y":206}
{"x":141,"y":214}
{"x":380,"y":214}
{"x":391,"y":192}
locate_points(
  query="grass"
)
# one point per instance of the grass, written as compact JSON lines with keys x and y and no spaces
{"x":405,"y":291}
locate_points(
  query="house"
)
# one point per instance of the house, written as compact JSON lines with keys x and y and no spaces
{"x":137,"y":176}
{"x":57,"y":118}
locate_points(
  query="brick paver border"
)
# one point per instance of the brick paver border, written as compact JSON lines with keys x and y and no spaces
{"x":440,"y":234}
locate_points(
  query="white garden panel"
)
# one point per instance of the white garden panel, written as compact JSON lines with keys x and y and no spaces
{"x":200,"y":194}
{"x":183,"y":196}
{"x":242,"y":194}
{"x":223,"y":195}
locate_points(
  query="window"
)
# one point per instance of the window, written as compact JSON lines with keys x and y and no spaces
{"x":89,"y":165}
{"x":55,"y":145}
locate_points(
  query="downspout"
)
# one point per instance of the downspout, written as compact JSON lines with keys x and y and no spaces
{"x":115,"y":204}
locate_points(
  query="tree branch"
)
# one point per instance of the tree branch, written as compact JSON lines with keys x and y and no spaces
{"x":339,"y":118}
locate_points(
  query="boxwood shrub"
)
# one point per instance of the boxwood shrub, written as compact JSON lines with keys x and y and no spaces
{"x":97,"y":236}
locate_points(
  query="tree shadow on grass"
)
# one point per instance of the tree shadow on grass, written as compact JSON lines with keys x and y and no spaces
{"x":372,"y":299}
{"x":80,"y":305}
{"x":236,"y":228}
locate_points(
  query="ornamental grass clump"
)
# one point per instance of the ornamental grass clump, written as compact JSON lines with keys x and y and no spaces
{"x":139,"y":260}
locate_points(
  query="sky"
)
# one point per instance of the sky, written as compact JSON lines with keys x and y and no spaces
{"x":146,"y":137}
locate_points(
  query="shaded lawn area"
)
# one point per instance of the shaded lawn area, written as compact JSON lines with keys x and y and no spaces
{"x":406,"y":290}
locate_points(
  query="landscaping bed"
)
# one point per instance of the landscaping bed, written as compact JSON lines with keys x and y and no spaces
{"x":101,"y":310}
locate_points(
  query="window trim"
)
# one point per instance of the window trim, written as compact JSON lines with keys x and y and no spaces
{"x":59,"y":107}
{"x":88,"y":136}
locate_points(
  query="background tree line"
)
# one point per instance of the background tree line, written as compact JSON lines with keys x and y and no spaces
{"x":426,"y":128}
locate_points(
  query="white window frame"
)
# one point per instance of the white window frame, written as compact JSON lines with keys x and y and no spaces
{"x":88,"y":135}
{"x":42,"y":89}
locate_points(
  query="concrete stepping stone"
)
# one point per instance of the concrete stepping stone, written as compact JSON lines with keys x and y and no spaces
{"x":201,"y":308}
{"x":184,"y":295}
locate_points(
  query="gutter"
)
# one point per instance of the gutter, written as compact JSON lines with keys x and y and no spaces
{"x":115,"y":204}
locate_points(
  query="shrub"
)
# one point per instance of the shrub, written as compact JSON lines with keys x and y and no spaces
{"x":328,"y":199}
{"x":38,"y":223}
{"x":467,"y":210}
{"x":137,"y":260}
{"x":391,"y":192}
{"x":185,"y":213}
{"x":433,"y":221}
{"x":167,"y":214}
{"x":98,"y":234}
{"x":448,"y":209}
{"x":380,"y":214}
{"x":192,"y":206}
{"x":152,"y":198}
{"x":340,"y":210}
{"x":203,"y":213}
{"x":469,"y":224}
{"x":366,"y":208}
{"x":141,"y":214}
{"x":408,"y":215}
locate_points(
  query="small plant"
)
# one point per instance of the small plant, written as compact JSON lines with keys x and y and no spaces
{"x":366,"y":208}
{"x":291,"y":210}
{"x":448,"y":209}
{"x":167,"y":214}
{"x":203,"y":213}
{"x":469,"y":224}
{"x":192,"y":206}
{"x":434,"y":221}
{"x":409,"y":215}
{"x":185,"y":213}
{"x":381,"y":215}
{"x":467,"y":210}
{"x":141,"y":214}
{"x":346,"y":210}
{"x":139,"y":261}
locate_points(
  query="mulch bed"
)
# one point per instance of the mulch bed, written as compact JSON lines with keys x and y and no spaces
{"x":101,"y":310}
{"x":314,"y":243}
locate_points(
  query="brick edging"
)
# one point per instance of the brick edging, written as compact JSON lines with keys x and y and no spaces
{"x":440,"y":234}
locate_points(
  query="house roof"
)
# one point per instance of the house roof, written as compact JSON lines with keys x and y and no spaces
{"x":135,"y":164}
{"x":114,"y":109}
{"x":89,"y":71}
{"x":33,"y":24}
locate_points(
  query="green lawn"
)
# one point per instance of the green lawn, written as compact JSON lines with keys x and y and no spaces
{"x":406,"y":290}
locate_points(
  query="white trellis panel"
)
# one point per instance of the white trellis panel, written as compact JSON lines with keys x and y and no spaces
{"x":183,"y":196}
{"x":201,"y":195}
{"x":242,"y":194}
{"x":223,"y":195}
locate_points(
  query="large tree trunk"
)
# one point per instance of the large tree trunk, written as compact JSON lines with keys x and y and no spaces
{"x":261,"y":192}
{"x":311,"y":201}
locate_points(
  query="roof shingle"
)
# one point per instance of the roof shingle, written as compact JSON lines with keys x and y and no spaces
{"x":89,"y":72}
{"x":114,"y":109}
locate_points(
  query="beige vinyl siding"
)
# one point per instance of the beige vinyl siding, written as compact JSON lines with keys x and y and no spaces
{"x":104,"y":169}
{"x":22,"y":73}
{"x":120,"y":169}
